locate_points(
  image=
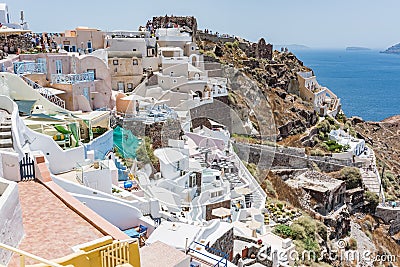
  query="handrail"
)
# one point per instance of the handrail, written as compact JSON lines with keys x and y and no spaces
{"x":45,"y":92}
{"x":225,"y":257}
{"x":23,"y":254}
{"x":30,"y":67}
{"x":72,"y":78}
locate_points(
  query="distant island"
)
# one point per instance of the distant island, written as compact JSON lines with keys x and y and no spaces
{"x":395,"y":49}
{"x":357,"y":48}
{"x":292,"y":47}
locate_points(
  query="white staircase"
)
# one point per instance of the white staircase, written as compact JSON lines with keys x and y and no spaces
{"x":45,"y":92}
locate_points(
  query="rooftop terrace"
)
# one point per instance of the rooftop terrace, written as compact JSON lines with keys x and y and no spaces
{"x":51,"y":228}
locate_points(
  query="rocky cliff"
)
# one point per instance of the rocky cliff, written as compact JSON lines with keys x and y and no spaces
{"x":395,"y":49}
{"x":276,"y":78}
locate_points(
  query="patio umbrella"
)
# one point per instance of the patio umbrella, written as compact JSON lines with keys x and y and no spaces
{"x":253,"y":211}
{"x":243,"y":191}
{"x":254,"y":225}
{"x":221,"y":212}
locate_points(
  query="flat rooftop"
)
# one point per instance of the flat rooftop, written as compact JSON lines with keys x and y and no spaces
{"x":161,"y":254}
{"x":316,"y":181}
{"x":51,"y":227}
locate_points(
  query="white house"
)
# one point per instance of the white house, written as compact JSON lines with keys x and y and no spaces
{"x":357,"y":146}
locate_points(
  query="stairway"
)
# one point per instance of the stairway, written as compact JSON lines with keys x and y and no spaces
{"x":45,"y":92}
{"x":6,"y":142}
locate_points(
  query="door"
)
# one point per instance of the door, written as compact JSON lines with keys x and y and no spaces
{"x":58,"y":66}
{"x":89,"y":46}
{"x":121,"y":86}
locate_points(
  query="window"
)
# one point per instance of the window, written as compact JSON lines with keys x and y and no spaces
{"x":192,"y":180}
{"x":121,"y":86}
{"x":93,"y":71}
{"x":58,"y":66}
{"x":134,"y":49}
{"x":115,"y":61}
{"x":130,"y":85}
{"x":135,"y":62}
{"x":66,"y":43}
{"x":86,"y":93}
{"x":174,"y":81}
{"x":171,"y":73}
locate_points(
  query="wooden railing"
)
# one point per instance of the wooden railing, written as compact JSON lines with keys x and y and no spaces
{"x":115,"y":254}
{"x":23,"y":255}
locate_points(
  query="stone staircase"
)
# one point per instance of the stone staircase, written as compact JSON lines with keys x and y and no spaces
{"x":371,"y":181}
{"x":6,"y":142}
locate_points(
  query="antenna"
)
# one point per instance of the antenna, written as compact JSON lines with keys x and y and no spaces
{"x":22,"y":19}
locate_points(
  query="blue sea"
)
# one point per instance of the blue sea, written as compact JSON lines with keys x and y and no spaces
{"x":368,"y":82}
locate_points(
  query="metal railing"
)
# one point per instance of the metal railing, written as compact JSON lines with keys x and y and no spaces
{"x":222,"y":261}
{"x":23,"y":255}
{"x":29,"y":68}
{"x":72,"y":78}
{"x":45,"y":92}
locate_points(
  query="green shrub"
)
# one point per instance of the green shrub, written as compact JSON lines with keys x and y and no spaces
{"x":297,"y":232}
{"x":283,"y":230}
{"x":372,"y":199}
{"x":308,"y":224}
{"x":351,"y":176}
{"x":145,"y":152}
{"x":352,"y":244}
{"x":321,"y":230}
{"x":228,"y":45}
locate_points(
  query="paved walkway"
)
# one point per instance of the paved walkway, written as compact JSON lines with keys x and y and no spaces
{"x":51,"y":228}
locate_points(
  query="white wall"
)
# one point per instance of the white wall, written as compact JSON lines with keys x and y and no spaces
{"x":59,"y":160}
{"x":9,"y":166}
{"x":11,"y":226}
{"x":117,"y":213}
{"x":71,"y":187}
{"x":98,"y":179}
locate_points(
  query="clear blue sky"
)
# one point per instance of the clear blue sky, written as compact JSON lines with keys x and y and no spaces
{"x":315,"y":23}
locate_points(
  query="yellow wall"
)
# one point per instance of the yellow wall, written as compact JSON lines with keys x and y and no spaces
{"x":90,"y":256}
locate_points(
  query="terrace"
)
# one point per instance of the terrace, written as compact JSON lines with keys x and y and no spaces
{"x":72,"y":78}
{"x":29,"y":68}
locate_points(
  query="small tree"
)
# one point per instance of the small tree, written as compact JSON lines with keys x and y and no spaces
{"x":352,"y":176}
{"x":372,"y":199}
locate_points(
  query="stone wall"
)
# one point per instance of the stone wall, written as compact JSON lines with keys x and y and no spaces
{"x":182,"y":21}
{"x":258,"y":50}
{"x":224,"y":244}
{"x":159,"y":132}
{"x":217,"y":111}
{"x":223,"y":204}
{"x":269,"y":157}
{"x":10,"y":218}
{"x":202,"y":36}
{"x":12,"y":43}
{"x":387,"y":214}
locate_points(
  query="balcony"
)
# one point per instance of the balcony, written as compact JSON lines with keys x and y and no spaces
{"x":72,"y":78}
{"x":29,"y":68}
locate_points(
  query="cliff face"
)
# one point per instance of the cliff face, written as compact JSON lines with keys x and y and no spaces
{"x":384,"y":137}
{"x":395,"y":49}
{"x":276,"y":78}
